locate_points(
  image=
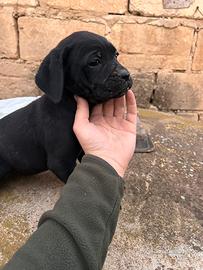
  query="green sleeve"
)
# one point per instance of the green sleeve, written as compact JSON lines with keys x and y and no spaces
{"x":77,"y":232}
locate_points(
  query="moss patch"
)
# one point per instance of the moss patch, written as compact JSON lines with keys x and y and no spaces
{"x":14,"y":231}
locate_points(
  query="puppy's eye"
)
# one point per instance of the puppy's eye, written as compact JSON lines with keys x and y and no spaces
{"x":117,"y":54}
{"x":95,"y":63}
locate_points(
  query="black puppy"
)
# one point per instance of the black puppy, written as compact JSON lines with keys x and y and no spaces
{"x":40,"y":136}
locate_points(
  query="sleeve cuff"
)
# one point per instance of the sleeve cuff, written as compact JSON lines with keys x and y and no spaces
{"x":100,"y":161}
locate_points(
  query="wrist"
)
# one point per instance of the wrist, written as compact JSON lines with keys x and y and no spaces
{"x":113,"y":163}
{"x":116,"y":167}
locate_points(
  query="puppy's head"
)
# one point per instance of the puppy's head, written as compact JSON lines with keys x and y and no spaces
{"x":83,"y":64}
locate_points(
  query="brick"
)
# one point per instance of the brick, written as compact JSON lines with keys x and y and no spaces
{"x":143,"y":86}
{"x":114,"y":35}
{"x":28,"y":2}
{"x":156,"y":8}
{"x":39,"y":35}
{"x":151,"y":62}
{"x":8,"y":2}
{"x":16,"y":87}
{"x":179,"y":91}
{"x":16,"y":69}
{"x":106,"y":6}
{"x":17,"y":79}
{"x":56,"y":3}
{"x":198,"y":57}
{"x":32,"y":3}
{"x":153,"y":47}
{"x":8,"y":34}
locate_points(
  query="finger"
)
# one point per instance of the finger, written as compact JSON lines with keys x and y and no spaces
{"x":131,"y":107}
{"x":82,"y":112}
{"x":97,"y":110}
{"x":119,"y":107}
{"x":108,"y":108}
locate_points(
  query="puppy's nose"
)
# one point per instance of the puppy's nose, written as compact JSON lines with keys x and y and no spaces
{"x":124,"y":74}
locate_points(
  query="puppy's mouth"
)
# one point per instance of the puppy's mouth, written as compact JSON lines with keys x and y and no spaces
{"x":124,"y":87}
{"x":114,"y":87}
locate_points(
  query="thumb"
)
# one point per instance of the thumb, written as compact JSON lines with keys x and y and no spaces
{"x":82,"y":113}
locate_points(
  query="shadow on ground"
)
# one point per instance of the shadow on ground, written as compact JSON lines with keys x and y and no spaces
{"x":161,"y":222}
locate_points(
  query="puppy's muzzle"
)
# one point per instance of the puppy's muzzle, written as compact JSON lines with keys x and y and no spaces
{"x":124,"y":76}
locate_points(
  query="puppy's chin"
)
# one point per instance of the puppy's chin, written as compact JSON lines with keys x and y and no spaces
{"x":114,"y":87}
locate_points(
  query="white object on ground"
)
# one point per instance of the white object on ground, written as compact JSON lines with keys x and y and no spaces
{"x":10,"y":105}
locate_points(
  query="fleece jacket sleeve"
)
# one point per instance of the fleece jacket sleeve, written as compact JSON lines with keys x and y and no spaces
{"x":75,"y":235}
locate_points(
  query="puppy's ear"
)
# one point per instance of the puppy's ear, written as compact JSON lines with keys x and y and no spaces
{"x":50,"y":76}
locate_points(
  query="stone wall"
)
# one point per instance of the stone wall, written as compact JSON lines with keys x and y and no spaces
{"x":160,"y":41}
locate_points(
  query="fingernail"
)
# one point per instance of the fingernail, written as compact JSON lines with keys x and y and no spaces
{"x":76,"y":98}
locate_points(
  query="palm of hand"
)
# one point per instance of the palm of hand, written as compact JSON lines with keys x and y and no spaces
{"x":110,"y":131}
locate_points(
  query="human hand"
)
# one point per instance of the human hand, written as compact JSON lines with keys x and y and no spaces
{"x":108,"y":132}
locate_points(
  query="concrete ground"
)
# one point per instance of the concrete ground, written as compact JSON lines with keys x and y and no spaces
{"x":161,"y":222}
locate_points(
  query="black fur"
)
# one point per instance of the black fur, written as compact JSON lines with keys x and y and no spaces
{"x":40,"y":136}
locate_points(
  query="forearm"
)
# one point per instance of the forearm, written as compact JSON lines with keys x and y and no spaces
{"x":78,"y":231}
